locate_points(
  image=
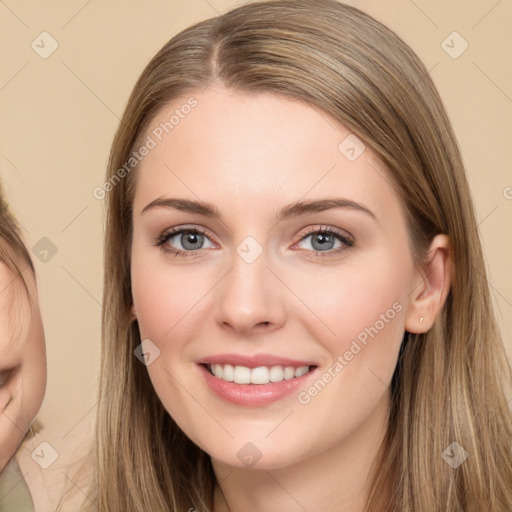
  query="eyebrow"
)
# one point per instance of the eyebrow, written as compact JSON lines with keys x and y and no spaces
{"x":287,"y":212}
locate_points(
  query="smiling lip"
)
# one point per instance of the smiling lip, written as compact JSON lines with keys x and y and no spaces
{"x":253,"y":361}
{"x":254,"y":395}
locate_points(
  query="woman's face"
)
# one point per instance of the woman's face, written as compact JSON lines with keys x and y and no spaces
{"x":23,"y":361}
{"x":263,"y":284}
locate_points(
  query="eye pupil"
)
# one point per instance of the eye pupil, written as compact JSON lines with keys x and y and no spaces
{"x":190,"y":239}
{"x":323,"y":240}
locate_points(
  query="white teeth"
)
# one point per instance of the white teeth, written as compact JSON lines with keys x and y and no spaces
{"x":289,"y":373}
{"x":276,"y":374}
{"x":242,"y":375}
{"x":259,"y":375}
{"x":217,"y":370}
{"x":228,"y":373}
{"x":299,"y":372}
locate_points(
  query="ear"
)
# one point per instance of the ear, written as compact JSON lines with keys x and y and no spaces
{"x":431,"y":286}
{"x":133,"y":313}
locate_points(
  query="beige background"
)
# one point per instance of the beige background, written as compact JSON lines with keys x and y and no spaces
{"x":58,"y":116}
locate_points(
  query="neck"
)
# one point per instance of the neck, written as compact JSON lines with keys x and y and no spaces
{"x":335,"y":479}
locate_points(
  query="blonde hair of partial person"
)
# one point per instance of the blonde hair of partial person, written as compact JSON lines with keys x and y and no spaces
{"x":449,"y":384}
{"x":14,"y":255}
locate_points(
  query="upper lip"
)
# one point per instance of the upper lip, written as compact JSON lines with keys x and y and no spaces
{"x":254,"y":360}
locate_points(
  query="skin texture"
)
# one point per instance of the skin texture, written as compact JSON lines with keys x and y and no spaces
{"x":23,"y":362}
{"x":250,"y":155}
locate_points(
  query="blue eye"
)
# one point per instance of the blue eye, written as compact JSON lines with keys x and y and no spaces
{"x":323,"y":240}
{"x":191,"y":239}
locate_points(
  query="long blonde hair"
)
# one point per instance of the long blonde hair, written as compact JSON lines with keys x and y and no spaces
{"x":449,"y":382}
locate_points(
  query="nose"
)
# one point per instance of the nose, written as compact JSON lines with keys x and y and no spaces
{"x":250,"y":299}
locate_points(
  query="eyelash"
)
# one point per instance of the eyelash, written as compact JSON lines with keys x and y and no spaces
{"x":164,"y":237}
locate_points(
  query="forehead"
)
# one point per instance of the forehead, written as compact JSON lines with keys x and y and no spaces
{"x":259,"y":149}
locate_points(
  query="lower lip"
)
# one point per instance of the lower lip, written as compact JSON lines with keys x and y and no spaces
{"x":253,"y":395}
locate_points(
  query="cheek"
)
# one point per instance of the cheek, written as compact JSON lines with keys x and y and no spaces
{"x":25,"y":397}
{"x":33,"y":385}
{"x":168,"y":292}
{"x":346,"y":303}
{"x":170,"y":314}
{"x":359,"y":320}
{"x":164,"y":299}
{"x":173,"y":304}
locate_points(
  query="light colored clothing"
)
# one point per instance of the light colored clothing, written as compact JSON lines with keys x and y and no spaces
{"x":14,"y":493}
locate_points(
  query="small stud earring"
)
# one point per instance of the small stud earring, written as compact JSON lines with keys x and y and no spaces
{"x":421,"y":319}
